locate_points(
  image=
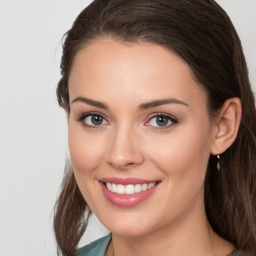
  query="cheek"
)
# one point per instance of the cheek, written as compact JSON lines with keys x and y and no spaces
{"x":86,"y":156}
{"x":182,"y":159}
{"x":84,"y":150}
{"x":183,"y":154}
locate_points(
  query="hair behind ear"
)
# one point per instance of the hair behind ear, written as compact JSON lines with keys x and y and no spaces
{"x":230,"y":194}
{"x":69,"y":221}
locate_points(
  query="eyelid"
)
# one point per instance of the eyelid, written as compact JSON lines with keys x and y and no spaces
{"x":173,"y":119}
{"x":82,"y":117}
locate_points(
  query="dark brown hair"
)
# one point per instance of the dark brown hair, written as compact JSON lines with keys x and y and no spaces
{"x":201,"y":33}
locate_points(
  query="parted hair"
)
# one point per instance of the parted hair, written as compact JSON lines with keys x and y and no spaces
{"x":201,"y":33}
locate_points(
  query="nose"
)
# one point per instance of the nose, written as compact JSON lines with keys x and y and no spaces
{"x":124,"y":150}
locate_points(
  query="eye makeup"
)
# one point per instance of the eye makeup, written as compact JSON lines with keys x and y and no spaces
{"x":157,"y":121}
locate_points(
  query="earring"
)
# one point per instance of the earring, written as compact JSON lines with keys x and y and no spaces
{"x":218,"y":163}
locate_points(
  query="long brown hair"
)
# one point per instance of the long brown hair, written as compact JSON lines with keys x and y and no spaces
{"x":201,"y":33}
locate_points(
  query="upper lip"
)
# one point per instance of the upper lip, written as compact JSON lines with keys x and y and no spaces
{"x":126,"y":181}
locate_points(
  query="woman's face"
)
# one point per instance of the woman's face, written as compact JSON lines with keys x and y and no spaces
{"x":138,"y":125}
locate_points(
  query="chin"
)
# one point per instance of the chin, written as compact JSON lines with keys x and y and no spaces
{"x":129,"y":232}
{"x":130,"y":227}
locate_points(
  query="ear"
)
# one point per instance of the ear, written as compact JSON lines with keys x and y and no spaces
{"x":226,"y":125}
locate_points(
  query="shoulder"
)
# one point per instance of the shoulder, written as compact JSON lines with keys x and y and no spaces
{"x":96,"y":248}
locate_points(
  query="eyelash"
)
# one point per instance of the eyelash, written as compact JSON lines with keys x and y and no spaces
{"x":172,"y":119}
{"x":81,"y":119}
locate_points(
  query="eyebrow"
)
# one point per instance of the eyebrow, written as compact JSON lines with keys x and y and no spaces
{"x":143,"y":106}
{"x":156,"y":103}
{"x":94,"y":103}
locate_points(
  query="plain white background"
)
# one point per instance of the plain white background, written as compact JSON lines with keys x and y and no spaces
{"x":33,"y":130}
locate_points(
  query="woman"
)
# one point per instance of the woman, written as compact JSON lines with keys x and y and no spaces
{"x":162,"y":131}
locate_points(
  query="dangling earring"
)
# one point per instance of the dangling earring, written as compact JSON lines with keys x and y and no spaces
{"x":218,"y":163}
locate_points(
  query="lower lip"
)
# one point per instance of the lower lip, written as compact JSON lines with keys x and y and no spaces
{"x":127,"y":200}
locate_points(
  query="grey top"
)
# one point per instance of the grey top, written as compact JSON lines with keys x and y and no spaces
{"x":99,"y":247}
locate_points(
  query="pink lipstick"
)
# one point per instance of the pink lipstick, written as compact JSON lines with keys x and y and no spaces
{"x":127,"y":192}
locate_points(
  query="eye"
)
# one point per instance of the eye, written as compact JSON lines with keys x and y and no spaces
{"x":95,"y":120}
{"x":92,"y":120}
{"x":161,"y":120}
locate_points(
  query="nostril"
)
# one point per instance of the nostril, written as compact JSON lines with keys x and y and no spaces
{"x":129,"y":164}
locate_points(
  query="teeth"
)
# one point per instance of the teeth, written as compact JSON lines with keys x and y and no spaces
{"x":129,"y":189}
{"x":137,"y":188}
{"x":151,"y":185}
{"x":120,"y":189}
{"x":109,"y":186}
{"x":113,"y":188}
{"x":144,"y":187}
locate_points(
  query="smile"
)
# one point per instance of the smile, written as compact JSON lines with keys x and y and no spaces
{"x":128,"y":192}
{"x":129,"y":189}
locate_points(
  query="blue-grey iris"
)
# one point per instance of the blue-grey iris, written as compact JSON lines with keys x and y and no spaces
{"x":162,"y":120}
{"x":96,"y":119}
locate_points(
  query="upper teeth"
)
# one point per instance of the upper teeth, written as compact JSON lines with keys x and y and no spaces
{"x":129,"y":189}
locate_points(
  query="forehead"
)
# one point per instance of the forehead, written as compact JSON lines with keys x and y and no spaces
{"x":142,"y":70}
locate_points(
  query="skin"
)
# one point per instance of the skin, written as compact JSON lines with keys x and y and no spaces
{"x":129,"y":143}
